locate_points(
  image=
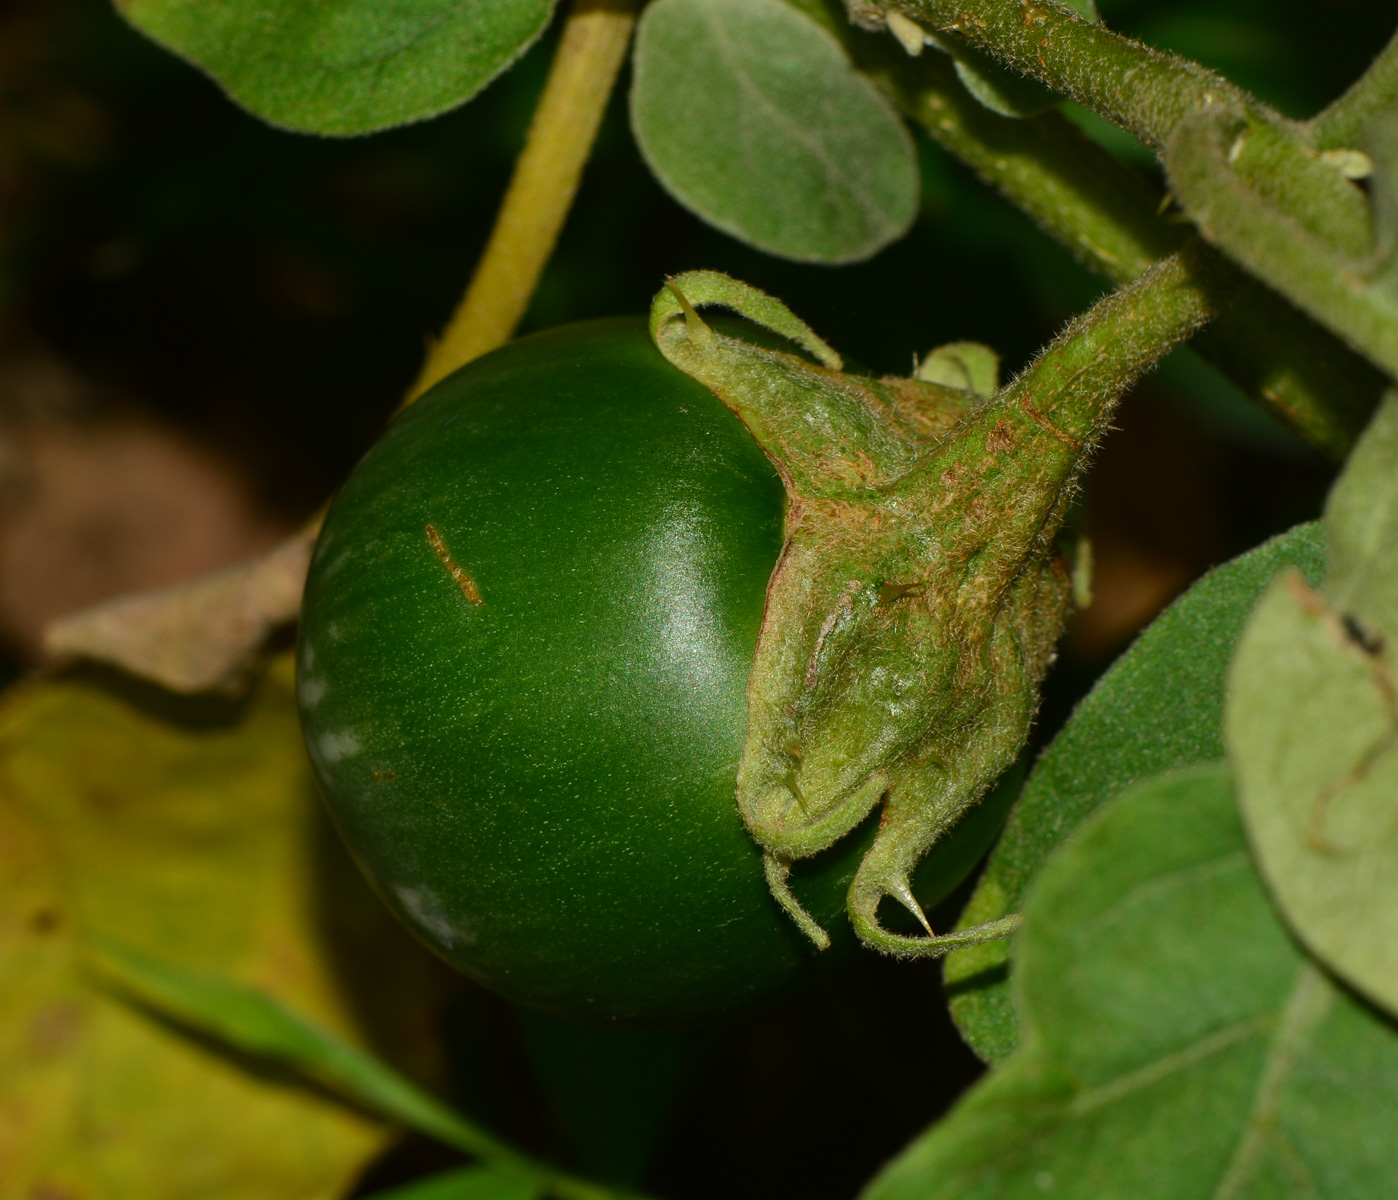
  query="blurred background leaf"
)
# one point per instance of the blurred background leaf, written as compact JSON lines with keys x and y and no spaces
{"x":349,"y":66}
{"x":195,"y":831}
{"x":465,"y":1183}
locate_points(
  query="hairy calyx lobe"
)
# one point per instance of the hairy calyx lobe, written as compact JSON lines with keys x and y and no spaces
{"x":918,"y":598}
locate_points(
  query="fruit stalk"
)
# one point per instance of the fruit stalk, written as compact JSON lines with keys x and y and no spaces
{"x":541,"y":191}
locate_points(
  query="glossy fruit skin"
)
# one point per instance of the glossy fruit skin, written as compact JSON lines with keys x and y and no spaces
{"x":539,"y":778}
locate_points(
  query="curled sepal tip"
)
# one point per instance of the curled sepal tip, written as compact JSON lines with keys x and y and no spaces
{"x":778,"y":871}
{"x":876,"y":936}
{"x":917,"y":599}
{"x":683,"y":294}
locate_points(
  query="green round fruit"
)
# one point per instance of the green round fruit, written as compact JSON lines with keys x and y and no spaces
{"x":524,"y":652}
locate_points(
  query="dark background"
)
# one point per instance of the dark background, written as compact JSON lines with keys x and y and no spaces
{"x":205,"y":321}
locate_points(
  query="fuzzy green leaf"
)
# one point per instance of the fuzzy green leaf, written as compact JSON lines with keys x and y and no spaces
{"x":1313,"y":730}
{"x":1313,"y":738}
{"x":1183,"y":1047}
{"x":1361,"y":521}
{"x":1158,"y":707}
{"x":346,"y":66}
{"x":751,"y":115}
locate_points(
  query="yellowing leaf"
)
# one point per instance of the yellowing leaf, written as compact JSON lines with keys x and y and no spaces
{"x":191,"y":829}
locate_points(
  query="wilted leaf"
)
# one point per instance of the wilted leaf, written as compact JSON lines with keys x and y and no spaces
{"x":750,"y":114}
{"x":200,"y":636}
{"x":1180,"y":1046}
{"x":190,"y":829}
{"x":345,"y":66}
{"x":1158,"y":707}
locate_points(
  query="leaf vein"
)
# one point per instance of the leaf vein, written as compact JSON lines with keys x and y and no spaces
{"x":1310,"y":999}
{"x":836,"y":177}
{"x":1162,"y":1068}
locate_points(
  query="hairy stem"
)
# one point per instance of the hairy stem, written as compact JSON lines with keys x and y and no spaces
{"x":1376,"y":91}
{"x":1274,"y":245}
{"x":1101,"y":354}
{"x":541,"y":191}
{"x":1109,"y":216}
{"x":1143,"y":90}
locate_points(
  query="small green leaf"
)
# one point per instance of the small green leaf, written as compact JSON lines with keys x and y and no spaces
{"x":1159,"y":706}
{"x":1001,"y":89}
{"x":345,"y":66}
{"x":464,"y":1183}
{"x":750,"y":114}
{"x":1183,"y":1047}
{"x":966,"y":365}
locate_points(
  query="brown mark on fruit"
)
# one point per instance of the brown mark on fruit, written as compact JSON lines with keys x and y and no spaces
{"x":463,"y":581}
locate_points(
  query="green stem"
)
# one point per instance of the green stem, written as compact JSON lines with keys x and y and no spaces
{"x":1107,"y":213}
{"x":546,"y":178}
{"x":1109,"y":216}
{"x":1075,"y":382}
{"x":1273,"y":245}
{"x":1141,"y":89}
{"x":1341,"y":125}
{"x":1105,"y":350}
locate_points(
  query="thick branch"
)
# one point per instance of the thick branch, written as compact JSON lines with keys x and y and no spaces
{"x":1276,"y":247}
{"x":1109,"y":215}
{"x":1143,"y":90}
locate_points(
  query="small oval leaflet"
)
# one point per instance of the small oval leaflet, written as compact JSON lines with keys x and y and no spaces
{"x":348,"y":66}
{"x":751,"y":116}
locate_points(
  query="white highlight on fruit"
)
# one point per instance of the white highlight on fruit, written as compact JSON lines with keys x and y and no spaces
{"x":683,"y":599}
{"x":336,"y":745}
{"x":425,"y":907}
{"x":310,"y":690}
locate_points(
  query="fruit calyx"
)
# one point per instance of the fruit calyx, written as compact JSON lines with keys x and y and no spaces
{"x":915,"y":605}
